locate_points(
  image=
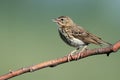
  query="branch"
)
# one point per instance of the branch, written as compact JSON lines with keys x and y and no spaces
{"x":55,"y":62}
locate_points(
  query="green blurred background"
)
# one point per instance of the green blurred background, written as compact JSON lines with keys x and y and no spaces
{"x":28,"y":36}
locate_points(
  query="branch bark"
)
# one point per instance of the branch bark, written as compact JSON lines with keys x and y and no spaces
{"x":55,"y":62}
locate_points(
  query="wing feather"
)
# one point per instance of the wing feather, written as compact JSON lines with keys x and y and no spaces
{"x":82,"y":34}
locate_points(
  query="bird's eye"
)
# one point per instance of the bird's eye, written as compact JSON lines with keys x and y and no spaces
{"x":62,"y":19}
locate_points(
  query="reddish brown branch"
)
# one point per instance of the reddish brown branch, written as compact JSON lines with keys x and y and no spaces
{"x":55,"y":62}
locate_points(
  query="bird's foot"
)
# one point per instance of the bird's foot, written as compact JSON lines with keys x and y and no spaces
{"x":70,"y":54}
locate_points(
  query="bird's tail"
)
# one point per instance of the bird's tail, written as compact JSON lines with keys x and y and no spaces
{"x":99,"y":41}
{"x":106,"y":43}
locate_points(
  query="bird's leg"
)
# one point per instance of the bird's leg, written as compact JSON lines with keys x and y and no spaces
{"x":84,"y":48}
{"x":71,"y":53}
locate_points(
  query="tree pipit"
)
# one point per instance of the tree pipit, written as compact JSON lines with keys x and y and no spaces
{"x":75,"y":35}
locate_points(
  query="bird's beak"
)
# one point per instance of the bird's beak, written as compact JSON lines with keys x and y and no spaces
{"x":55,"y":20}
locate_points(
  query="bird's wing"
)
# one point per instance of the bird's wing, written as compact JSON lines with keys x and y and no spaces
{"x":85,"y":36}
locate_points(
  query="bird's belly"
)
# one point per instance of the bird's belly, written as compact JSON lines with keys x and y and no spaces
{"x":76,"y":42}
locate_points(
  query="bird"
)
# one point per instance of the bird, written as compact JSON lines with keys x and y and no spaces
{"x":75,"y":35}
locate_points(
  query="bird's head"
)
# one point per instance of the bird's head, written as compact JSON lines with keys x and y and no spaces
{"x":63,"y":21}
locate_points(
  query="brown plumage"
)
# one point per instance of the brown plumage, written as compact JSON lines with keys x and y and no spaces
{"x":75,"y":35}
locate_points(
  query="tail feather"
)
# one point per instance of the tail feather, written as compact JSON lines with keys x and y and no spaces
{"x":105,"y":43}
{"x":99,"y":40}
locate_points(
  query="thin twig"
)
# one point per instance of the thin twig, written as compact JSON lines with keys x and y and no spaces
{"x":55,"y":62}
